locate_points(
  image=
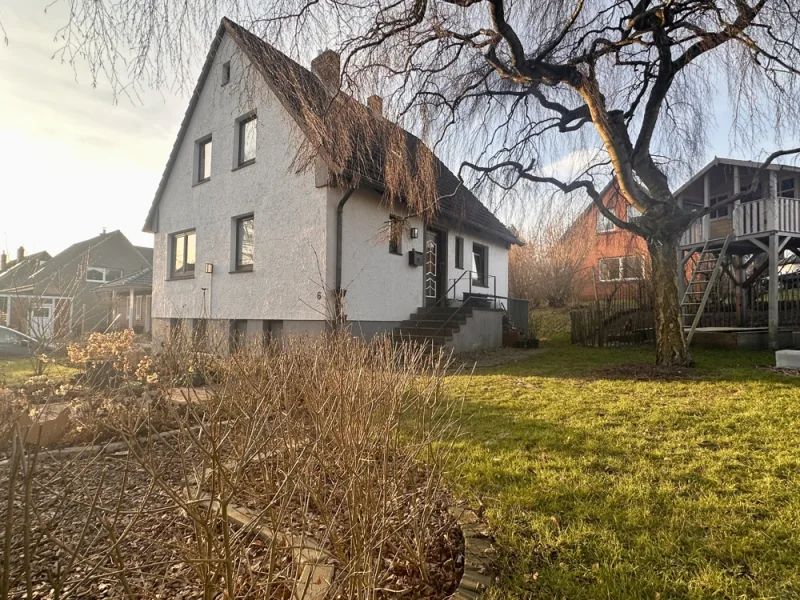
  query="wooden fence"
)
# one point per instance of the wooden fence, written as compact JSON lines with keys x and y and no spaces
{"x":624,"y":317}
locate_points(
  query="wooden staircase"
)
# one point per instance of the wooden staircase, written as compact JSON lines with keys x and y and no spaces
{"x":433,"y":326}
{"x":704,"y":276}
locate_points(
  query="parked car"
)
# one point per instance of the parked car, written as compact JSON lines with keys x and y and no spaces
{"x":15,"y":344}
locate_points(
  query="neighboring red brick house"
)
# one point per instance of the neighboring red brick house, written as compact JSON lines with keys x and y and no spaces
{"x":615,"y":259}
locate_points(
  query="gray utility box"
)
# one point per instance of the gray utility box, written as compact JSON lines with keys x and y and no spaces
{"x":787,"y":359}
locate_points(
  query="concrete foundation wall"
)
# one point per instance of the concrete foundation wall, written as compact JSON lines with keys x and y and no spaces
{"x":482,"y":331}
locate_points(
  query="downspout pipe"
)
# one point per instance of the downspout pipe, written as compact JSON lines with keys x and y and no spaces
{"x":339,"y":293}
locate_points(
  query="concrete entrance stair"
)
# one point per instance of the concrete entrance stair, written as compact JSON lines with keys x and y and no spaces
{"x":435,"y":326}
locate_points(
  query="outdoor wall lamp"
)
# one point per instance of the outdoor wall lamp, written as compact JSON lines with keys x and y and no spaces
{"x":209,"y":268}
{"x":414,"y":233}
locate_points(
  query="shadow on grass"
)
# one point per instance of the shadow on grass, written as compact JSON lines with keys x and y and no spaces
{"x":602,"y":495}
{"x":637,"y":363}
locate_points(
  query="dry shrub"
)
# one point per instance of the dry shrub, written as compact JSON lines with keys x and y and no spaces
{"x":548,"y":270}
{"x":333,"y":440}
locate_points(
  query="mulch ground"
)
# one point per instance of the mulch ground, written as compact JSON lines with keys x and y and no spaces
{"x":644,"y":372}
{"x":98,"y":525}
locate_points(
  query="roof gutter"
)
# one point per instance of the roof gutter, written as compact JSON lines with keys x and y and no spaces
{"x":338,"y":291}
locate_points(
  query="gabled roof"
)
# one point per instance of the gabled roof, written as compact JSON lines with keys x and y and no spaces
{"x":141,"y":279}
{"x":146,"y":252}
{"x":734,"y":162}
{"x":296,"y":87}
{"x":52,"y":272}
{"x":21,"y":270}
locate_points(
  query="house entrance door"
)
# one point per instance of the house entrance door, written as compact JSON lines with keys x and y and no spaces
{"x":41,"y":320}
{"x":435,"y":266}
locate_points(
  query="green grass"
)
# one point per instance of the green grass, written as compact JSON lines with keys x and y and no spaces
{"x":550,"y":322}
{"x":604,"y":487}
{"x":14,"y":372}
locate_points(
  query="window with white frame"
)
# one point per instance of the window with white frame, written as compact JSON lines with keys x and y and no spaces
{"x":3,"y":310}
{"x":138,"y":310}
{"x":621,"y":268}
{"x":604,"y":224}
{"x":722,"y":212}
{"x":102,"y":274}
{"x":786,"y":188}
{"x":632,"y":213}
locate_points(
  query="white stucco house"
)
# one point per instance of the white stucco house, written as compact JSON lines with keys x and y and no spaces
{"x":248,"y":243}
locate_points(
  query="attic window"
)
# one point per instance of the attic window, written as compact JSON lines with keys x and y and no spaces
{"x":102,"y":274}
{"x":226,"y":73}
{"x":203,"y":160}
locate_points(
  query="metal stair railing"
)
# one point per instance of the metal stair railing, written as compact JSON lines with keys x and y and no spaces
{"x":707,"y":285}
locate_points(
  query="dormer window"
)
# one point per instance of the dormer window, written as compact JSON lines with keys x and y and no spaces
{"x":226,"y":73}
{"x":102,"y":274}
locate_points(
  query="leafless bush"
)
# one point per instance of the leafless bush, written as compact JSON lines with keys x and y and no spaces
{"x":548,"y":269}
{"x":334,"y":450}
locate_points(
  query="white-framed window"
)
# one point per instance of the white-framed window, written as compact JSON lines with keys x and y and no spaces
{"x":138,"y":308}
{"x":102,"y":274}
{"x":632,"y":213}
{"x":720,"y":213}
{"x":621,"y":268}
{"x":786,"y":188}
{"x":4,"y":302}
{"x":604,"y":224}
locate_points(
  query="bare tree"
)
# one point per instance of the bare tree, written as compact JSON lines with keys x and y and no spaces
{"x":549,"y":269}
{"x":516,"y":82}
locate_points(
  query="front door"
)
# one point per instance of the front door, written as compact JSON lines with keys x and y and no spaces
{"x":435,"y":266}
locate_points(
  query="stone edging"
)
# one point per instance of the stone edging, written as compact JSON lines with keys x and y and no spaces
{"x":477,"y":550}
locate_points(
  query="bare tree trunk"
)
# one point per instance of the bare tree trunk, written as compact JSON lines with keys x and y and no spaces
{"x":671,"y":346}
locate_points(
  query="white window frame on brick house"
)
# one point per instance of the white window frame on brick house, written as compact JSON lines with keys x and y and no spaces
{"x":604,"y":224}
{"x":620,"y":268}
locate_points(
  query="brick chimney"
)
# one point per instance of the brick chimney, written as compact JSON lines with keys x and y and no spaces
{"x":3,"y":261}
{"x":375,"y":104}
{"x":326,"y":67}
{"x":20,"y":253}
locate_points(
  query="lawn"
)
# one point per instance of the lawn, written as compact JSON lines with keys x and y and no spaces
{"x":597,"y":484}
{"x":16,"y":371}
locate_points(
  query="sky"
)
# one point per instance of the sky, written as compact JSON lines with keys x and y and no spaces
{"x":73,"y":162}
